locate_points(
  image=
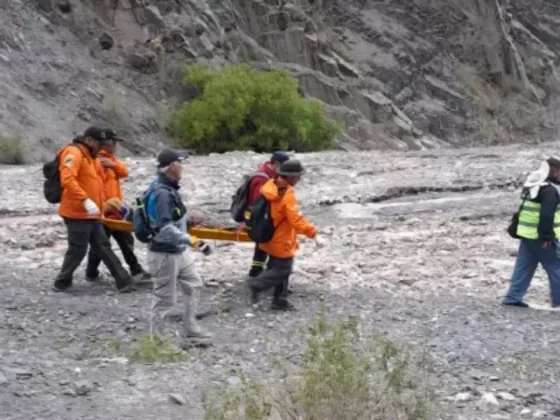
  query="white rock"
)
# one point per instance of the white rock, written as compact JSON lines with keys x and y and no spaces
{"x":539,"y":414}
{"x":506,"y":396}
{"x":488,"y":402}
{"x":525,"y":413}
{"x":463,"y":396}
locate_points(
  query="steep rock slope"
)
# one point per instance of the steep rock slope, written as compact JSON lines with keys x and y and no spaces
{"x":401,"y":74}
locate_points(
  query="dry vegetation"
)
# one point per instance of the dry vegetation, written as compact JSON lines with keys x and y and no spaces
{"x":11,"y":149}
{"x":504,"y":112}
{"x":342,"y":376}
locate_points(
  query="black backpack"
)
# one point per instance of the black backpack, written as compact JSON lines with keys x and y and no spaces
{"x":258,"y":221}
{"x":239,"y":199}
{"x":52,"y":189}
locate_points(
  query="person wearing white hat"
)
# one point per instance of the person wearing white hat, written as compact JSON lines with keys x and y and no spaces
{"x":538,"y":228}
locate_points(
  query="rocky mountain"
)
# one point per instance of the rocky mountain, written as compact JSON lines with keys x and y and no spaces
{"x":401,"y":74}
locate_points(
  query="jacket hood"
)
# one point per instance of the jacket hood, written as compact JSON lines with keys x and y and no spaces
{"x":78,"y":141}
{"x":274,"y":190}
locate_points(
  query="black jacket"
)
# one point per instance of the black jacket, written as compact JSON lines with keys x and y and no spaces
{"x":549,"y":198}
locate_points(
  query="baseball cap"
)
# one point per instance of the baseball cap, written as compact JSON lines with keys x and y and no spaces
{"x":96,"y":133}
{"x":112,"y":135}
{"x":280,"y":157}
{"x":167,"y":157}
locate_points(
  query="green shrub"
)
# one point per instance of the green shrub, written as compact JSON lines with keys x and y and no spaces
{"x":11,"y":150}
{"x":342,"y":376}
{"x":241,"y":109}
{"x":152,"y":349}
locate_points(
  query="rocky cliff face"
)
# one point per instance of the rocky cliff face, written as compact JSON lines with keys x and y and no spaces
{"x":401,"y":74}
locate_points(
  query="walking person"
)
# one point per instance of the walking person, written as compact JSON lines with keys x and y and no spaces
{"x":265,"y":171}
{"x":288,"y":222}
{"x":80,"y":204}
{"x":113,"y":170}
{"x":169,"y":259}
{"x":538,"y":228}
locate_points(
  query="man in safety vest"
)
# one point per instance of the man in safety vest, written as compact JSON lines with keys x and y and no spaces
{"x":539,"y":230}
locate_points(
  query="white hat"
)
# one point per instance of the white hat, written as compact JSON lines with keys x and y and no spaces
{"x":537,"y":179}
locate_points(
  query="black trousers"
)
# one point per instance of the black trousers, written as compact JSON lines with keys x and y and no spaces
{"x":259,"y":262}
{"x":277,"y":275}
{"x":125,"y":240}
{"x":82,"y":233}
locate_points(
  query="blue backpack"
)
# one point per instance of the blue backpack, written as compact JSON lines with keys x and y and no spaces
{"x":143,"y":230}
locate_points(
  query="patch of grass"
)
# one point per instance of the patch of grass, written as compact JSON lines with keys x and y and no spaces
{"x":342,"y":376}
{"x":11,"y":149}
{"x":152,"y":349}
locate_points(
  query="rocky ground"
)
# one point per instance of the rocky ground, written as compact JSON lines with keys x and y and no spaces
{"x":415,"y":246}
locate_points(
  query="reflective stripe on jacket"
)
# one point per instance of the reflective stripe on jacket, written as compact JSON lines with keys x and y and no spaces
{"x":529,"y":219}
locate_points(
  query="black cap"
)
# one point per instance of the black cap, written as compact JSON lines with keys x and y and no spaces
{"x":96,"y":133}
{"x":167,"y":157}
{"x":112,"y":135}
{"x":291,"y":168}
{"x":553,"y":162}
{"x":279,"y":157}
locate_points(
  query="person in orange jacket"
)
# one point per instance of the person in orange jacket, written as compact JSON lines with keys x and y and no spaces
{"x":80,"y":204}
{"x":113,"y":170}
{"x":288,"y":222}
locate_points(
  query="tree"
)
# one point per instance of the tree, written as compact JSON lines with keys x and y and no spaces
{"x":242,"y":109}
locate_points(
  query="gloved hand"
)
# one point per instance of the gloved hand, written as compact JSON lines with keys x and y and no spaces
{"x":116,"y":207}
{"x":204,"y":248}
{"x":90,"y":207}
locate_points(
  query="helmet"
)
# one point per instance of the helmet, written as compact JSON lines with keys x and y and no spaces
{"x":291,"y":168}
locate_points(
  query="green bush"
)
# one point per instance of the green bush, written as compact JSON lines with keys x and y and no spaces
{"x":342,"y":376}
{"x":242,"y":109}
{"x":11,"y":150}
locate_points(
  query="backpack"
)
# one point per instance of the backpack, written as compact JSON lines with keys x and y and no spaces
{"x":143,"y":230}
{"x":258,"y":221}
{"x":52,"y":189}
{"x":141,"y":221}
{"x":241,"y":196}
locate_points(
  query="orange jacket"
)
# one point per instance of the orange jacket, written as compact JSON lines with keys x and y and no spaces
{"x":80,"y":178}
{"x":112,"y":176}
{"x":287,"y":219}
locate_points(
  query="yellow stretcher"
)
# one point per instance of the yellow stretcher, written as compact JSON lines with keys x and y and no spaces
{"x":199,"y":232}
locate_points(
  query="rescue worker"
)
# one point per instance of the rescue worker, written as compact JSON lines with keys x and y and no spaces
{"x":269,"y":168}
{"x":169,"y":259}
{"x":288,"y":222}
{"x":80,"y":204}
{"x":538,"y":228}
{"x":113,"y":170}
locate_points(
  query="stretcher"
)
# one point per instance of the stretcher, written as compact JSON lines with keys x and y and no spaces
{"x":198,"y":231}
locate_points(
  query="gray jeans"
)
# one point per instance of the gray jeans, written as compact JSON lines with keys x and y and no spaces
{"x":168,"y":270}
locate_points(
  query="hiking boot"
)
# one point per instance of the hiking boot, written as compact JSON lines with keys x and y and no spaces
{"x":282,"y":305}
{"x":140,"y":274}
{"x":516,"y":304}
{"x":57,"y":288}
{"x":93,"y":279}
{"x":251,"y":295}
{"x":193,"y":333}
{"x":127,"y":289}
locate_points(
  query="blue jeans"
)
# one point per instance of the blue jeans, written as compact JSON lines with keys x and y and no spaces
{"x":531,"y":253}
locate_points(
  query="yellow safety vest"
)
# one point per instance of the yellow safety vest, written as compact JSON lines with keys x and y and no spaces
{"x":529,"y":217}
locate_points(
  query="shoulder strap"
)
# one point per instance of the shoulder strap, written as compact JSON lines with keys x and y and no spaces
{"x":262,"y":174}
